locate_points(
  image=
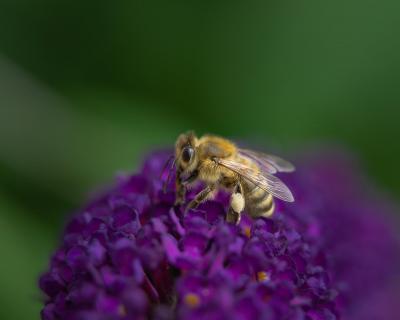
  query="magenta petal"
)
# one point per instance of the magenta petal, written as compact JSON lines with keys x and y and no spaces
{"x":171,"y":247}
{"x":107,"y":304}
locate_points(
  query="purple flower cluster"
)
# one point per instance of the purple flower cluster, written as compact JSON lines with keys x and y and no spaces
{"x":339,"y":208}
{"x":130,"y":254}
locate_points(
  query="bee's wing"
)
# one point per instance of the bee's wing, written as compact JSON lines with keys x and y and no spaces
{"x":265,"y":165}
{"x":268,"y":162}
{"x":261,"y":179}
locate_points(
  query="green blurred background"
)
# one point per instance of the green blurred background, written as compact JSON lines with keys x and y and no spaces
{"x":86,"y":87}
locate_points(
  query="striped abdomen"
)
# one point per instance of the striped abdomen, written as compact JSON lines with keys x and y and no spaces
{"x":259,"y":203}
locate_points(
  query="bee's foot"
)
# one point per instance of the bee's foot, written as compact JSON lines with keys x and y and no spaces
{"x":179,"y":202}
{"x":191,"y":205}
{"x":233,"y":217}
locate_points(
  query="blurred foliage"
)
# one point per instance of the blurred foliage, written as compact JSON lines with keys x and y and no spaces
{"x":87,"y":87}
{"x":24,"y":247}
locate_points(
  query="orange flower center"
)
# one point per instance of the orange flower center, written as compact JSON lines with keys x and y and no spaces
{"x":192,"y":300}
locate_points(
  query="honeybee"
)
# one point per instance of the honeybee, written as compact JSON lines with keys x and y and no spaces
{"x":219,"y":163}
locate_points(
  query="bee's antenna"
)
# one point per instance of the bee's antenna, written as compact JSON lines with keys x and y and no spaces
{"x":167,"y":163}
{"x":166,"y":182}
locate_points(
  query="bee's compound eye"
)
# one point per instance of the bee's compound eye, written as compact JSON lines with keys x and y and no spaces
{"x":187,"y":154}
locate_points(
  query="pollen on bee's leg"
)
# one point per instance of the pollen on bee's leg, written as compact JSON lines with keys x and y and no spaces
{"x":237,"y":202}
{"x":192,"y":300}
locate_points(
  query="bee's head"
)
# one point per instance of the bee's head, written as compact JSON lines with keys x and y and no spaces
{"x":185,"y":152}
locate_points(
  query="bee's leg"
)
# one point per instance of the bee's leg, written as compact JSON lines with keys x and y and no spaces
{"x":200,"y":197}
{"x":180,"y":190}
{"x":236,"y":205}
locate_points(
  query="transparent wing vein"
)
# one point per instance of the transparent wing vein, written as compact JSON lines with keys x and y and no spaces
{"x":260,"y":178}
{"x":270,"y":163}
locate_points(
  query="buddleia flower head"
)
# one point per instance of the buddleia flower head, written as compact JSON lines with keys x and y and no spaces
{"x":131,"y":254}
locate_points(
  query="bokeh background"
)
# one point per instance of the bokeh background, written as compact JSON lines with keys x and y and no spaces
{"x":87,"y":87}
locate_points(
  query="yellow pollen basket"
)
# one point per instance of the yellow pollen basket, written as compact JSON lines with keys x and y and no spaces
{"x":192,"y":300}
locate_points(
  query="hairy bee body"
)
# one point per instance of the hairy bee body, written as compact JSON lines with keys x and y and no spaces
{"x":219,"y":163}
{"x":211,"y":147}
{"x":259,"y":203}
